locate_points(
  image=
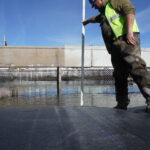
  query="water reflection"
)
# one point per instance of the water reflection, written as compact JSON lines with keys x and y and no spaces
{"x":45,"y":93}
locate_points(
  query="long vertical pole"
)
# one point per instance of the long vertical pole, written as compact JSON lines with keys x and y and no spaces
{"x":82,"y":54}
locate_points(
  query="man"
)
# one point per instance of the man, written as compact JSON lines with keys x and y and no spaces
{"x":122,"y":39}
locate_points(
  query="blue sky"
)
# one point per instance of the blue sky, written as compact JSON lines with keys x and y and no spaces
{"x":58,"y":22}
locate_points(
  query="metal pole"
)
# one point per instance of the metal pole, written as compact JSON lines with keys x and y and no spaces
{"x":82,"y":54}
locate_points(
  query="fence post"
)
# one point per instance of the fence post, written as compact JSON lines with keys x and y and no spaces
{"x":58,"y":82}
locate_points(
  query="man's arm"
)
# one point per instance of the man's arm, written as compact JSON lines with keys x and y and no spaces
{"x":94,"y":19}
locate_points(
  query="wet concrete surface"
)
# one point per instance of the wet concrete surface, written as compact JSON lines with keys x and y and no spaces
{"x":32,"y":117}
{"x":73,"y":128}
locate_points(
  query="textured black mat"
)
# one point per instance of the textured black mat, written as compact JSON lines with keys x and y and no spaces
{"x":73,"y":128}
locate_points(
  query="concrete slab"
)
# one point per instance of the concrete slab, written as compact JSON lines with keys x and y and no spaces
{"x":73,"y":128}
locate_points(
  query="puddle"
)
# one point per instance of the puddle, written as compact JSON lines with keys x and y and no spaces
{"x":96,"y":93}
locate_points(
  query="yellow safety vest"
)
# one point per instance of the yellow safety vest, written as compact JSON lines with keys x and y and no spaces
{"x":117,"y":22}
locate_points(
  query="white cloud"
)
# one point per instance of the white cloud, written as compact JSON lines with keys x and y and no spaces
{"x":143,"y":20}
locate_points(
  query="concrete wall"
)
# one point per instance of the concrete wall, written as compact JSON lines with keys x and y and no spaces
{"x":67,"y":56}
{"x":95,"y":56}
{"x":31,"y":56}
{"x":146,"y":55}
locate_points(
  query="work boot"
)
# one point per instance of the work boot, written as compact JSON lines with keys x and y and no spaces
{"x":122,"y":102}
{"x":119,"y":106}
{"x":147,"y":110}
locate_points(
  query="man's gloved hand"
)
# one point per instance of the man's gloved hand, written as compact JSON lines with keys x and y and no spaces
{"x":85,"y":22}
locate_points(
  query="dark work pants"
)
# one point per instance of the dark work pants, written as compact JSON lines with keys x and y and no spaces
{"x":126,"y":60}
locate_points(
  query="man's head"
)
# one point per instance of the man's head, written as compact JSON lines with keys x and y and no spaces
{"x":96,"y":3}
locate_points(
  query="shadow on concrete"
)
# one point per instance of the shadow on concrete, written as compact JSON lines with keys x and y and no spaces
{"x":137,"y":109}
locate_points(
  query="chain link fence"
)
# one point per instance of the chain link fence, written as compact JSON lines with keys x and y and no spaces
{"x":102,"y":74}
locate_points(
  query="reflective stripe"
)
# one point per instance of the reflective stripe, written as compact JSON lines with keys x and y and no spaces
{"x":113,"y":18}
